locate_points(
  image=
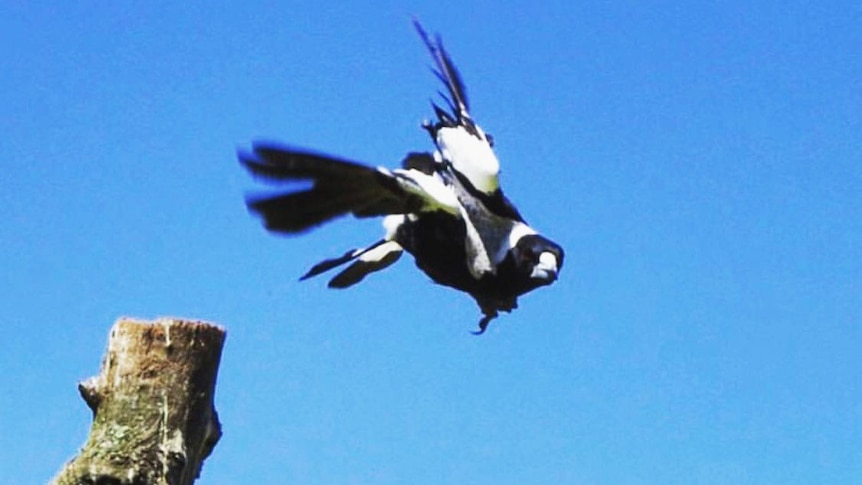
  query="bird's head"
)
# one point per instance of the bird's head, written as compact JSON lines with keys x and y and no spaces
{"x":537,"y":258}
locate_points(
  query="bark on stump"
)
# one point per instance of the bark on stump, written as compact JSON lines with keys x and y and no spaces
{"x":154,"y":421}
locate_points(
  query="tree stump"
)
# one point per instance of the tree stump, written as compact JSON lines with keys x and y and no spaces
{"x":154,"y":421}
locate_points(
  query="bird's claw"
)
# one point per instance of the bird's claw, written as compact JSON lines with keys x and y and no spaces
{"x":483,"y":323}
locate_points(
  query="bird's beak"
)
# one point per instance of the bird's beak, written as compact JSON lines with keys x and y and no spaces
{"x":546,"y":269}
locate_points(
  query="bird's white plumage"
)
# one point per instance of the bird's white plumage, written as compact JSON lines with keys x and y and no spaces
{"x":519,"y":230}
{"x":471,"y":155}
{"x":435,"y":193}
{"x":391,"y":223}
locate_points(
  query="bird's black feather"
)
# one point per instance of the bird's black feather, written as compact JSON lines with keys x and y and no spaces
{"x":447,"y":73}
{"x":328,"y":264}
{"x":357,"y":271}
{"x":339,"y":187}
{"x":421,"y":161}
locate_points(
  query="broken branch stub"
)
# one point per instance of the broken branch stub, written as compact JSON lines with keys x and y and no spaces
{"x":154,"y":421}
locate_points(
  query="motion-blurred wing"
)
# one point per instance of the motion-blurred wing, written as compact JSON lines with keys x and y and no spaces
{"x":339,"y":187}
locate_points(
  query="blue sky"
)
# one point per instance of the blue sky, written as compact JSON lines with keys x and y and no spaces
{"x":701,"y":162}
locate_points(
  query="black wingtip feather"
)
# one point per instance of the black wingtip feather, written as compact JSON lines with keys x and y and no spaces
{"x":297,"y":212}
{"x":357,"y":271}
{"x":446,"y":72}
{"x":328,"y":264}
{"x":335,"y":187}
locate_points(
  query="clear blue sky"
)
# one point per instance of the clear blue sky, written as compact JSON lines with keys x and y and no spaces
{"x":701,"y":162}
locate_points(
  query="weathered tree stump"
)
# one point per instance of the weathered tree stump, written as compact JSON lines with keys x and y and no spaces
{"x":154,"y":421}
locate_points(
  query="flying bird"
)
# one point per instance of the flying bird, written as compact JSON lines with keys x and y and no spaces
{"x":446,"y":207}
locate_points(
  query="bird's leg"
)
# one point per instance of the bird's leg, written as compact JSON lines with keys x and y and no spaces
{"x":486,"y":319}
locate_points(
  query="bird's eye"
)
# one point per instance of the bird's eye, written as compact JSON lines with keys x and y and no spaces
{"x":528,"y":258}
{"x":490,"y":139}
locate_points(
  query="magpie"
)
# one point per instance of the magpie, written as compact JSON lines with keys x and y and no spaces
{"x":446,"y":207}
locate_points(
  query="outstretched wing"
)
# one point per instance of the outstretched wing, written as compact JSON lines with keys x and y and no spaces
{"x":460,"y":141}
{"x":339,"y":187}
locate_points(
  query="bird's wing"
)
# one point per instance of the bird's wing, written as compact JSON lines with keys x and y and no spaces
{"x":339,"y":187}
{"x":460,"y":141}
{"x":368,"y":260}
